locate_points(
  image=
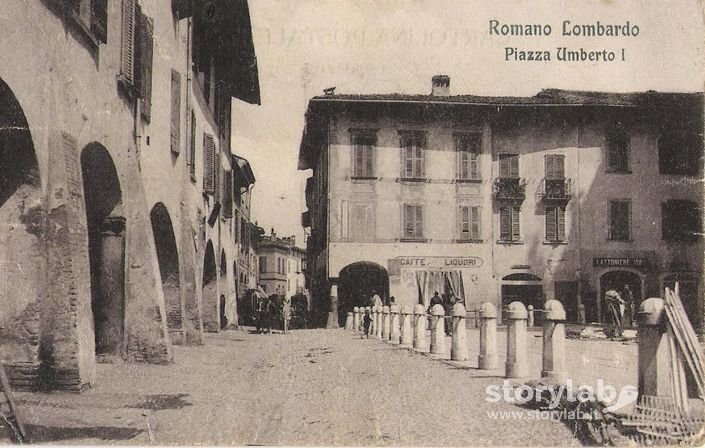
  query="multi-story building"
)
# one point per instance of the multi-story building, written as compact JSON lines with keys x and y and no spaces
{"x":116,"y":180}
{"x":561,"y":195}
{"x":281,"y":265}
{"x":247,"y":233}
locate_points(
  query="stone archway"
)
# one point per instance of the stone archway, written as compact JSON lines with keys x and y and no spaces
{"x":210,"y":290}
{"x":22,"y":214}
{"x":106,"y":249}
{"x":358,"y":283}
{"x":169,"y":267}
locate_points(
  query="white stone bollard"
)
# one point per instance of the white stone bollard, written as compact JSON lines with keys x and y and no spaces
{"x":419,"y":327}
{"x":385,"y":323}
{"x":379,"y":323}
{"x":530,"y":312}
{"x":356,"y":318}
{"x":459,"y":343}
{"x":487,"y":360}
{"x":349,"y":321}
{"x":516,"y":366}
{"x":406,"y":337}
{"x":394,"y":335}
{"x":554,"y":342}
{"x":438,"y":332}
{"x":654,"y":373}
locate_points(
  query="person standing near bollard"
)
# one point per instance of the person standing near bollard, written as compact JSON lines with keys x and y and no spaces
{"x":615,"y":312}
{"x":366,"y":321}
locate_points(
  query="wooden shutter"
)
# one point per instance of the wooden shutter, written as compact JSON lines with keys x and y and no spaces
{"x":464,"y":222}
{"x":420,"y":169}
{"x":549,"y":160}
{"x":516,"y":234}
{"x":551,"y":233}
{"x":505,"y":223}
{"x":369,"y":159}
{"x":192,"y":148}
{"x":127,"y":61}
{"x":408,"y":221}
{"x":419,"y":222}
{"x":175,"y":111}
{"x":514,"y":166}
{"x":474,"y":172}
{"x":99,"y":20}
{"x":208,"y":163}
{"x":145,"y":57}
{"x":475,"y":223}
{"x":560,"y":225}
{"x":560,"y":167}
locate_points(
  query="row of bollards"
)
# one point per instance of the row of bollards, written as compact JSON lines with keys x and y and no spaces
{"x":406,"y":327}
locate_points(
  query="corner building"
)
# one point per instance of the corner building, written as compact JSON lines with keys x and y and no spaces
{"x":116,"y":232}
{"x":562,"y":195}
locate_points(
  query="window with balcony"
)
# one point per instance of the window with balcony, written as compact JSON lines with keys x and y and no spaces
{"x":468,"y":148}
{"x":509,"y":186}
{"x":555,"y":184}
{"x":413,"y":222}
{"x":509,"y":226}
{"x":413,"y":144}
{"x":469,"y":223}
{"x":680,"y":152}
{"x":620,"y":220}
{"x":364,"y":143}
{"x":680,"y":220}
{"x":555,"y":224}
{"x":617,"y":141}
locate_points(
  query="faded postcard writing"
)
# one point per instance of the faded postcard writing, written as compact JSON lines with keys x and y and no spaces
{"x":351,"y":223}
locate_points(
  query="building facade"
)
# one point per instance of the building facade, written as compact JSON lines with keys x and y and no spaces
{"x":281,"y":265}
{"x":116,"y":180}
{"x":563,"y":195}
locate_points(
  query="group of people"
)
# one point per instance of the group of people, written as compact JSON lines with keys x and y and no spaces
{"x":620,"y":308}
{"x":446,"y":301}
{"x":269,"y":309}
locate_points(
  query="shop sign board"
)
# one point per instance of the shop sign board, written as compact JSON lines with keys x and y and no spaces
{"x":619,"y":262}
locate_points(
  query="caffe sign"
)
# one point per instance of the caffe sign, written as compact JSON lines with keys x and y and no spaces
{"x":440,"y":262}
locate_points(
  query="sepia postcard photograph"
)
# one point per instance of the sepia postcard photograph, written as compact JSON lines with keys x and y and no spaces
{"x":352,"y":222}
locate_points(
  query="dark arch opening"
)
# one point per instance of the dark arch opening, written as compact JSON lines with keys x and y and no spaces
{"x":168,"y":258}
{"x":358,"y":282}
{"x":522,"y":287}
{"x":106,"y":247}
{"x":210,"y":290}
{"x":21,"y":230}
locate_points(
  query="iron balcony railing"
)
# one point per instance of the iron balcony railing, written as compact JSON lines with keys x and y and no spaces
{"x":556,"y":189}
{"x":509,"y":188}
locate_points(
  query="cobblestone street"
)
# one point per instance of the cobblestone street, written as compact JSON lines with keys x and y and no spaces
{"x":309,"y":387}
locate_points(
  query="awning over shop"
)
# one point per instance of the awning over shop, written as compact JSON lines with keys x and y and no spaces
{"x":222,"y":31}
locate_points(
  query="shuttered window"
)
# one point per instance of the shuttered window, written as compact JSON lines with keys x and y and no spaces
{"x":468,"y":148}
{"x":192,"y":148}
{"x":362,"y":222}
{"x":208,"y":164}
{"x":413,"y":155}
{"x":509,"y":166}
{"x":509,"y":227}
{"x":127,"y":58}
{"x":175,"y":112}
{"x":555,"y":224}
{"x":363,"y":154}
{"x":617,"y":145}
{"x":620,"y":220}
{"x":99,"y":20}
{"x":555,"y":166}
{"x":413,"y":221}
{"x":144,"y":59}
{"x":469,"y":223}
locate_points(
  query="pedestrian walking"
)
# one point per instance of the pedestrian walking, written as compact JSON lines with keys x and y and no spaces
{"x":366,"y":321}
{"x":615,"y":312}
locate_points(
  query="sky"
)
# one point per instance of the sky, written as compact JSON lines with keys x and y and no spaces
{"x":385,"y":46}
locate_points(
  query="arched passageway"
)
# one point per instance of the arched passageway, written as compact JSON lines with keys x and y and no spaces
{"x":358,"y":283}
{"x":210,"y":290}
{"x":106,"y":248}
{"x":522,"y":287}
{"x":21,"y":234}
{"x":168,"y":257}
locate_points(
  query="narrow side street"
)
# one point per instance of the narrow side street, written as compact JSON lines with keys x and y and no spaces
{"x":309,"y":387}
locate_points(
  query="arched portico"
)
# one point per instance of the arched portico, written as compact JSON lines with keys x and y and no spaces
{"x":169,"y":267}
{"x":210,"y":290}
{"x":358,"y":282}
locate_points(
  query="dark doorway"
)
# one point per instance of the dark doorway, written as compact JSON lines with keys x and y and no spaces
{"x":628,"y":285}
{"x":168,"y":257}
{"x":524,"y":288}
{"x":223,"y":317}
{"x":106,"y":248}
{"x":358,"y":283}
{"x":210,"y":291}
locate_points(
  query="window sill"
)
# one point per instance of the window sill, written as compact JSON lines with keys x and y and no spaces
{"x":413,"y":179}
{"x":363,"y":178}
{"x":468,"y":181}
{"x":610,"y":240}
{"x":555,"y":243}
{"x":617,"y":172}
{"x":413,"y":240}
{"x":510,"y":242}
{"x":471,"y":241}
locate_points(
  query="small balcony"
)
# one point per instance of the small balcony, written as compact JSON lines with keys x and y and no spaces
{"x":509,"y":189}
{"x":556,"y":190}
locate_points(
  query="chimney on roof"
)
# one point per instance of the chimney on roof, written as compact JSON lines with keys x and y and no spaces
{"x":440,"y":85}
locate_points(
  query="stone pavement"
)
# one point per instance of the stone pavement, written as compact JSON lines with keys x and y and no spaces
{"x":308,"y":387}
